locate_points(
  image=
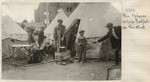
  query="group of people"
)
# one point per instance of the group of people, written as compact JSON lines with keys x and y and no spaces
{"x":114,"y":34}
{"x":41,"y":48}
{"x":37,"y":47}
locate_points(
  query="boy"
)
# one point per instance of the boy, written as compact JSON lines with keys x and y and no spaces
{"x":49,"y":50}
{"x":82,"y":46}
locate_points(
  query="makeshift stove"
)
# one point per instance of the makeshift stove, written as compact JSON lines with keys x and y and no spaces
{"x":63,"y":56}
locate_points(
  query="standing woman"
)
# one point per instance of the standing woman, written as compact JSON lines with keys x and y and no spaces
{"x":62,"y":29}
{"x":41,"y":41}
{"x":41,"y":37}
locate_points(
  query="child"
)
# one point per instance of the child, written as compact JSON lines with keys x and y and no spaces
{"x":49,"y":50}
{"x":82,"y":46}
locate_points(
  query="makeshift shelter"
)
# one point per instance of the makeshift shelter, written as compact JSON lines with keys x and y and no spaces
{"x":49,"y":30}
{"x":12,"y":33}
{"x":93,"y":19}
{"x":6,"y":47}
{"x":13,"y":29}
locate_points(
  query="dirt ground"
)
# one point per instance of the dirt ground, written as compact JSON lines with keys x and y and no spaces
{"x":91,"y":70}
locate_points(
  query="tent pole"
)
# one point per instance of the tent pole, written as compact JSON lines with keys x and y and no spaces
{"x":14,"y":49}
{"x":47,"y":14}
{"x":58,"y":40}
{"x":9,"y":46}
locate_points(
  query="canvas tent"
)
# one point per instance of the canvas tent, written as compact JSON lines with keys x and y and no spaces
{"x":11,"y":28}
{"x":93,"y":19}
{"x":5,"y":35}
{"x":11,"y":31}
{"x":6,"y":47}
{"x":49,"y":30}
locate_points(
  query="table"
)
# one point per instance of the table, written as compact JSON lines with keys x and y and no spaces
{"x":21,"y":46}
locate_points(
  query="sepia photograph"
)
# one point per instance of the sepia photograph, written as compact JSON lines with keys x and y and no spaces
{"x":69,"y":41}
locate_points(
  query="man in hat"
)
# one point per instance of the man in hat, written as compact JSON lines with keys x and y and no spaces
{"x":60,"y":27}
{"x":114,"y":34}
{"x":81,"y":46}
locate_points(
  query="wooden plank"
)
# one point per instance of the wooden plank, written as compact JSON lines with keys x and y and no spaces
{"x":43,"y":62}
